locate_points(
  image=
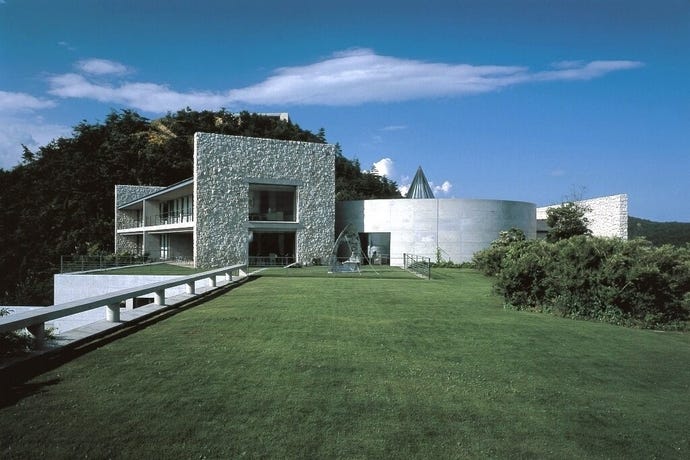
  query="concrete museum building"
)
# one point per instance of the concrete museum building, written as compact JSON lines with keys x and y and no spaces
{"x":272,"y":202}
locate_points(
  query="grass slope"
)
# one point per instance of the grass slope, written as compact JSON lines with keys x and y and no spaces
{"x":362,"y":368}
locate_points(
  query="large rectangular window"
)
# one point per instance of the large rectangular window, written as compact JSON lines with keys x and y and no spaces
{"x":272,"y":203}
{"x":272,"y":248}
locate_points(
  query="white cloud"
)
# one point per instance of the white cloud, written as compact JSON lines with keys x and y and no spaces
{"x":346,"y":78}
{"x":102,"y":67}
{"x":577,"y":70}
{"x":443,"y":188}
{"x":385,"y":167}
{"x":394,"y":128}
{"x":14,"y":102}
{"x":150,"y":97}
{"x":66,"y":45}
{"x":403,"y":189}
{"x":30,"y":131}
{"x":19,"y":125}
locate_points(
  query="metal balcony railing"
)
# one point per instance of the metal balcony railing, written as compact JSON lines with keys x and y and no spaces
{"x":169,"y":218}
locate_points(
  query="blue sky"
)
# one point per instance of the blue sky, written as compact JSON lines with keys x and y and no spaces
{"x":524,"y":100}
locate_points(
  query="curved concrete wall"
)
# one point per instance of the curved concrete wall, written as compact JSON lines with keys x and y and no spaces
{"x":458,"y":227}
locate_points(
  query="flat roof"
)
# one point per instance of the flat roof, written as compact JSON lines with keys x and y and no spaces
{"x":168,"y":189}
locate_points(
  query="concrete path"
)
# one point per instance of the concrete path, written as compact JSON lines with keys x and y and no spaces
{"x":89,"y":336}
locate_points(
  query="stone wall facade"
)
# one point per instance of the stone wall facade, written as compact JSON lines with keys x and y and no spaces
{"x":608,"y":215}
{"x":126,"y":194}
{"x":225,"y":166}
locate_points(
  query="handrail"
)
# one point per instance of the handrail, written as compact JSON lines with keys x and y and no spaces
{"x":35,"y":319}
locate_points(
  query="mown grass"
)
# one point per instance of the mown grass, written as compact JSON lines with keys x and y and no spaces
{"x":363,"y":368}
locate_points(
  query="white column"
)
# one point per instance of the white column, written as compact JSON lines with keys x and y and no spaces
{"x":159,"y":297}
{"x":190,"y":287}
{"x":112,"y":313}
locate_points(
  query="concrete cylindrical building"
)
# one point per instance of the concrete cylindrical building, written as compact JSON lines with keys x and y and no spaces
{"x":453,"y":228}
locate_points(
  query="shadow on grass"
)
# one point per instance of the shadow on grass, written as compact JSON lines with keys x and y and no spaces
{"x":14,"y":378}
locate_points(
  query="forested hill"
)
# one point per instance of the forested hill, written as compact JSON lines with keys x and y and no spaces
{"x":658,"y":233}
{"x":60,"y":200}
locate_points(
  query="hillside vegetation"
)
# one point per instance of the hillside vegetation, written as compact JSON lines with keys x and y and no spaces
{"x":60,"y":200}
{"x":659,"y":233}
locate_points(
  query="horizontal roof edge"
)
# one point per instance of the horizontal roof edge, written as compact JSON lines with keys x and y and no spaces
{"x":169,"y":188}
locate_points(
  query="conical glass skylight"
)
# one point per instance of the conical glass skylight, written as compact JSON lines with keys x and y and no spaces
{"x":420,"y":186}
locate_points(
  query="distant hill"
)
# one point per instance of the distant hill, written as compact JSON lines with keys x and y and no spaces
{"x":675,"y":233}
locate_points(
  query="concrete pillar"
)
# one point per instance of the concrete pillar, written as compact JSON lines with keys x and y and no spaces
{"x":228,"y":276}
{"x":190,"y":287}
{"x":39,"y":332}
{"x":242,"y":273}
{"x":159,"y":297}
{"x":112,"y":313}
{"x":212,"y":281}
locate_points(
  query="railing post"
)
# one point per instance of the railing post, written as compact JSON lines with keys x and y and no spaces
{"x":38,"y":331}
{"x":228,"y":276}
{"x":112,"y":312}
{"x":159,"y":297}
{"x":212,"y":281}
{"x":190,"y":287}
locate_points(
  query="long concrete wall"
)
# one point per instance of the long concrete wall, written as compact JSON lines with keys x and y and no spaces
{"x":608,"y":215}
{"x":70,"y":286}
{"x":456,"y":227}
{"x":224,"y":166}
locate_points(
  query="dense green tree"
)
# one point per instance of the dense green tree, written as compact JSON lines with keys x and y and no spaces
{"x":566,"y":221}
{"x":351,"y":183}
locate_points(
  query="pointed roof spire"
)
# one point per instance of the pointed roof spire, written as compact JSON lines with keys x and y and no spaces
{"x":420,"y":186}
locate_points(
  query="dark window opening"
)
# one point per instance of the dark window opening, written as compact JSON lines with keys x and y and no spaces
{"x":272,"y":248}
{"x":272,"y":203}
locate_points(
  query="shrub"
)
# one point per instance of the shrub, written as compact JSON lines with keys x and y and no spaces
{"x":12,"y":343}
{"x":490,"y":260}
{"x":624,"y":282}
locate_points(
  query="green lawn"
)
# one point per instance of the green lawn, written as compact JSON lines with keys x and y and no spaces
{"x":330,"y":367}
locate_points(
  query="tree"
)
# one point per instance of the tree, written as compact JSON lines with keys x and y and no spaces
{"x":566,"y":221}
{"x":59,"y":200}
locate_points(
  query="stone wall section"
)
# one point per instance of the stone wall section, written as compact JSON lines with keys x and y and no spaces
{"x":608,"y":215}
{"x":224,"y":166}
{"x":126,"y":194}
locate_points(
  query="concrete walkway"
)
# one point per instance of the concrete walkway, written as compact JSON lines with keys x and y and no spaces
{"x":92,"y":335}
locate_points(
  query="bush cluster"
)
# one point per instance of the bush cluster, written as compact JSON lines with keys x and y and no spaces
{"x":12,"y":343}
{"x":613,"y":280}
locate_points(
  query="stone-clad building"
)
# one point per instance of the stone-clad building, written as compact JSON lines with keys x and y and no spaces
{"x":272,"y":202}
{"x":255,"y":200}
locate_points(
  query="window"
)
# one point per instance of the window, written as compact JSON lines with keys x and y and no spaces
{"x":165,"y":246}
{"x":272,"y":248}
{"x":272,"y":202}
